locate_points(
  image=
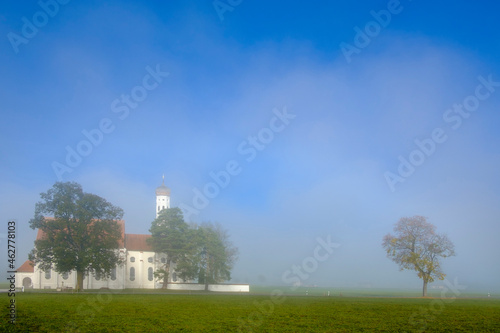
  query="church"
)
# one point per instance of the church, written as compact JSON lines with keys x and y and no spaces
{"x":140,"y":263}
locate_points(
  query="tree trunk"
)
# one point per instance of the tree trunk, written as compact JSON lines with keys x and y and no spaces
{"x":79,"y":281}
{"x":424,"y":289}
{"x":206,"y":276}
{"x":167,"y":273}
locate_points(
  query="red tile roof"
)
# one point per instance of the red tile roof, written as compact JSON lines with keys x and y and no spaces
{"x":136,"y":242}
{"x":26,"y":267}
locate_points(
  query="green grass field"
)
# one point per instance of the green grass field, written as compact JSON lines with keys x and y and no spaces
{"x":119,"y":312}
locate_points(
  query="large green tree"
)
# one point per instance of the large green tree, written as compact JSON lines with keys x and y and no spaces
{"x":202,"y":253}
{"x":211,"y":256}
{"x":417,"y":246}
{"x":80,"y":232}
{"x":169,"y":235}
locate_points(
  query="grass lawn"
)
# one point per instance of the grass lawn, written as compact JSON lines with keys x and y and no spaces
{"x":367,"y":292}
{"x":118,"y":312}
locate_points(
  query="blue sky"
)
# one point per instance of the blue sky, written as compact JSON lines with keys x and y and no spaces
{"x":222,"y":78}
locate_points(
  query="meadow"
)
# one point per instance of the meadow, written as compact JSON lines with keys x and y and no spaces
{"x":108,"y":311}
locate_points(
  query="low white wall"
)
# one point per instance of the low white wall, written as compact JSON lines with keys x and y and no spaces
{"x":185,"y":286}
{"x":240,"y":288}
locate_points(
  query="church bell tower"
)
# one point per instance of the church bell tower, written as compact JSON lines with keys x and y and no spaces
{"x":162,"y":197}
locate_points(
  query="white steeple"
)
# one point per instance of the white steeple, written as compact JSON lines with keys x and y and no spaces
{"x":162,"y":197}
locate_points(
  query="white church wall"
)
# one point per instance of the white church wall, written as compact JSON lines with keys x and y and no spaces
{"x":137,"y":274}
{"x":39,"y":280}
{"x":68,"y":281}
{"x":115,"y":281}
{"x":36,"y":279}
{"x":47,"y":279}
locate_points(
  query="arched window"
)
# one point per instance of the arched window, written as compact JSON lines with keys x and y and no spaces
{"x":47,"y":274}
{"x":65,"y":275}
{"x":150,"y":273}
{"x":113,"y":274}
{"x":174,"y":277}
{"x":163,"y":260}
{"x":132,"y":274}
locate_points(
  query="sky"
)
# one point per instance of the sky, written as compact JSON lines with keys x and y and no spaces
{"x":307,"y":130}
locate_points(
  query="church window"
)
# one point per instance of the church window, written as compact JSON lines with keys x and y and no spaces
{"x":158,"y":208}
{"x":174,"y":277}
{"x":132,"y":274}
{"x":132,"y":259}
{"x":150,"y":273}
{"x":113,"y":274}
{"x":65,"y":275}
{"x":47,"y":274}
{"x":163,"y":260}
{"x":150,"y":259}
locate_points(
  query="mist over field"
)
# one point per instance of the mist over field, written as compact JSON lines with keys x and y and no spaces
{"x":306,"y":130}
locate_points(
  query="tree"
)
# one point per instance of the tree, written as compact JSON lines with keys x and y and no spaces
{"x":416,"y":246}
{"x":81,"y":234}
{"x":169,"y":235}
{"x":202,"y":253}
{"x":211,"y":256}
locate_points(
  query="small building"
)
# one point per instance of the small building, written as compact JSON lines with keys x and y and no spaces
{"x":24,"y":275}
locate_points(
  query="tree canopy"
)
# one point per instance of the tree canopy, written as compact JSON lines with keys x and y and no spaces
{"x":203,"y":253}
{"x":80,"y":232}
{"x":213,"y":257}
{"x":417,"y":246}
{"x":169,"y":235}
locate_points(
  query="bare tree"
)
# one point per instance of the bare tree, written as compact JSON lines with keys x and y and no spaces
{"x":416,"y":246}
